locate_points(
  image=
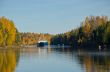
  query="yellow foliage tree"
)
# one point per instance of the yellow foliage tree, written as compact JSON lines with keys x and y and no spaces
{"x":7,"y":32}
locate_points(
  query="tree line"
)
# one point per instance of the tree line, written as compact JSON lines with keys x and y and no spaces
{"x":9,"y":35}
{"x":33,"y":38}
{"x":93,"y":32}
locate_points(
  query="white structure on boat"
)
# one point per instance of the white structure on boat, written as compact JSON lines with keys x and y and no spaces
{"x":42,"y":43}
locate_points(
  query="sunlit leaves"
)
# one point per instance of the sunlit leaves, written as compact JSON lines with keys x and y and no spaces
{"x":7,"y":32}
{"x":33,"y":38}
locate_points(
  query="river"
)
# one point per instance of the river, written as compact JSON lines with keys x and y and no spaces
{"x":53,"y":60}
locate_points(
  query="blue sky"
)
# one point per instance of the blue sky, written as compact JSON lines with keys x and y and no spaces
{"x":51,"y":16}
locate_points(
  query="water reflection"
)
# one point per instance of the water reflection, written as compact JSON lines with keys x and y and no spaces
{"x":52,"y":59}
{"x":89,"y":61}
{"x":8,"y":60}
{"x":95,"y":61}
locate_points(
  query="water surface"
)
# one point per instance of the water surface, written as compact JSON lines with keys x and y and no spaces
{"x":53,"y":60}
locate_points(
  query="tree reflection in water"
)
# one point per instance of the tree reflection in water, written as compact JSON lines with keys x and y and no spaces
{"x":95,"y":61}
{"x":89,"y":61}
{"x":8,"y":60}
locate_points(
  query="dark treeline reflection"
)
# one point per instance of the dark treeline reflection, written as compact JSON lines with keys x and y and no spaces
{"x":95,"y":62}
{"x":89,"y":61}
{"x":8,"y":60}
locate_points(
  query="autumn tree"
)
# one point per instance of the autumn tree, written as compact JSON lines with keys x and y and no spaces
{"x":7,"y":32}
{"x":94,"y":31}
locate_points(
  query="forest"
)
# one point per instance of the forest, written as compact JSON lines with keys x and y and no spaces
{"x":94,"y":31}
{"x":32,"y":38}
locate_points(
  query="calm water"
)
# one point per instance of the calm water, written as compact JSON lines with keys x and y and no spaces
{"x":53,"y":60}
